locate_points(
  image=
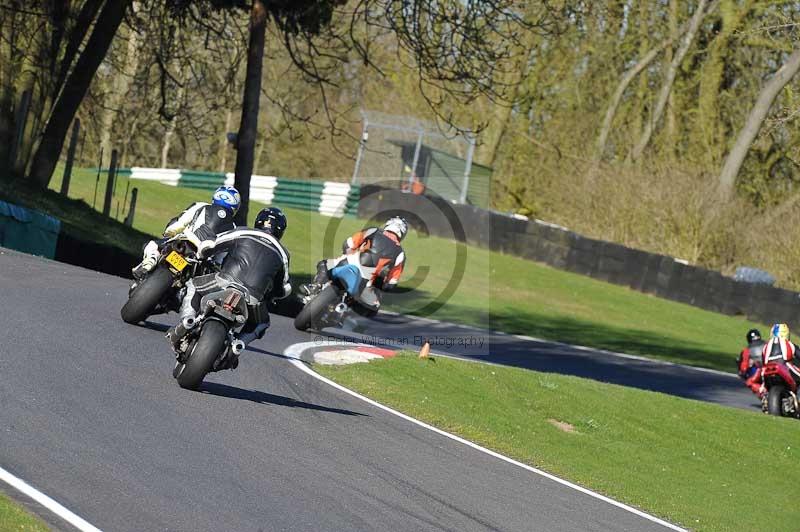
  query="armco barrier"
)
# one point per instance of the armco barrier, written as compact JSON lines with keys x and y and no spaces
{"x":94,"y":256}
{"x":326,"y":197}
{"x":28,"y":230}
{"x":646,"y":272}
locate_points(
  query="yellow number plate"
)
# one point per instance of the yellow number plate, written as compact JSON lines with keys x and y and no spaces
{"x":176,"y":261}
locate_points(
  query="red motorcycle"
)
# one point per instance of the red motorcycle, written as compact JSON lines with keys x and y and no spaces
{"x":780,"y":398}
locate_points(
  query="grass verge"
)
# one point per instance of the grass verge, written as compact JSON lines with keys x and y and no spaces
{"x":14,"y":517}
{"x":689,"y":462}
{"x":496,"y":291}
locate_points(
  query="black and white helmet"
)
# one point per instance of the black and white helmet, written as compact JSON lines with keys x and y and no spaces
{"x":397,"y":226}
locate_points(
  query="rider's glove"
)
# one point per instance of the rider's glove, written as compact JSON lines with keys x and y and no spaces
{"x":287,"y":289}
{"x":204,"y":248}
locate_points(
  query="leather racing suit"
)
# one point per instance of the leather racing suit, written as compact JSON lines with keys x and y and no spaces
{"x":380,"y":251}
{"x":749,"y":364}
{"x":200,"y":221}
{"x":782,"y":351}
{"x":255,"y":261}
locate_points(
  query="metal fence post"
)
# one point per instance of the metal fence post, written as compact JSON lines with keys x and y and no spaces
{"x":132,"y":208}
{"x":361,"y":146}
{"x":112,"y":175}
{"x":417,"y":149}
{"x":73,"y":144}
{"x":97,"y":179}
{"x":468,"y":168}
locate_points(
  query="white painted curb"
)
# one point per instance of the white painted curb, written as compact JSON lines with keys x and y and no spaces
{"x":294,"y":351}
{"x":28,"y":490}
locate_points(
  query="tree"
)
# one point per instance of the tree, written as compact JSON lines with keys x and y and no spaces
{"x":74,"y":89}
{"x":666,"y":86}
{"x":459,"y":50}
{"x":758,"y":113}
{"x":248,"y":129}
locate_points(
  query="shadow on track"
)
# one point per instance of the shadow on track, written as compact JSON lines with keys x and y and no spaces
{"x":232,"y":392}
{"x":154,"y":326}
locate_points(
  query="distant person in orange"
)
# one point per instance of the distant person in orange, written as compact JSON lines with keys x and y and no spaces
{"x":417,"y":186}
{"x":414,"y":185}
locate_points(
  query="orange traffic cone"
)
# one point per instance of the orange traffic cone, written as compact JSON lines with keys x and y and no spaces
{"x":426,"y":348}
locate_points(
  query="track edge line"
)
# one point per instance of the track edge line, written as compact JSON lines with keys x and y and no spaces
{"x":294,"y":358}
{"x":49,"y":503}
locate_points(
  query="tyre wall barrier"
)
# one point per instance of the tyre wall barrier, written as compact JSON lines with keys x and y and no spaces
{"x":328,"y":198}
{"x":560,"y":248}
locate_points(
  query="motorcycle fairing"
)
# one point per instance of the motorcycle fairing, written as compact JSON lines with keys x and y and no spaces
{"x":350,"y":277}
{"x":780,"y":371}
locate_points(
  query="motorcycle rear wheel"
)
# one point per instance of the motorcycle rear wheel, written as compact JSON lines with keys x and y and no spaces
{"x":144,"y":298}
{"x":206,"y":350}
{"x":775,"y":400}
{"x":314,"y":308}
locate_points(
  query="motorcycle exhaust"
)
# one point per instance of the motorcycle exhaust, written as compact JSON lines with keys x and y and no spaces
{"x":237,"y":346}
{"x":182,"y":328}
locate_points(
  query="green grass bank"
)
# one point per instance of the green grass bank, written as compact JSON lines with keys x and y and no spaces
{"x":14,"y":518}
{"x":694,"y":464}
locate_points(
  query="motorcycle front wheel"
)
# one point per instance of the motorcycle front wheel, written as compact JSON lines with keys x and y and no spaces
{"x":206,"y":350}
{"x":314,"y":309}
{"x":144,"y":298}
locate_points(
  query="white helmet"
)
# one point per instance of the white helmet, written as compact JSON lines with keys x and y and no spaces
{"x":397,"y":226}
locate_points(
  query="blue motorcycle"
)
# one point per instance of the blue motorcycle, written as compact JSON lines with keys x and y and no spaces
{"x":350,"y":288}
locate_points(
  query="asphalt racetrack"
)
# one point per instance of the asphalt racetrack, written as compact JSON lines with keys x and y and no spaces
{"x":92,"y":417}
{"x":524,"y":352}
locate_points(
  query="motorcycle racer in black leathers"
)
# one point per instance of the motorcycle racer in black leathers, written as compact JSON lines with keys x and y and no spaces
{"x":256,"y":261}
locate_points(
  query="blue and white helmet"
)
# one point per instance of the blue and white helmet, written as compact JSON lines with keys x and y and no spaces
{"x":227,"y":197}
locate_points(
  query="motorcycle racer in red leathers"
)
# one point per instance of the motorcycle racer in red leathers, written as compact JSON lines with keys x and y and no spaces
{"x":750,"y":360}
{"x":782,"y":350}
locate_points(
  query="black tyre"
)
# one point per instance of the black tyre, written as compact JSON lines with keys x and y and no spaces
{"x":314,"y":309}
{"x":206,"y":350}
{"x":365,"y":311}
{"x":775,"y":400}
{"x":144,"y":298}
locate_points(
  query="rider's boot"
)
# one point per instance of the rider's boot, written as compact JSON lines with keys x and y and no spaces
{"x":310,"y":289}
{"x":143,"y":268}
{"x":149,"y":261}
{"x":257,"y":332}
{"x":322,"y":277}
